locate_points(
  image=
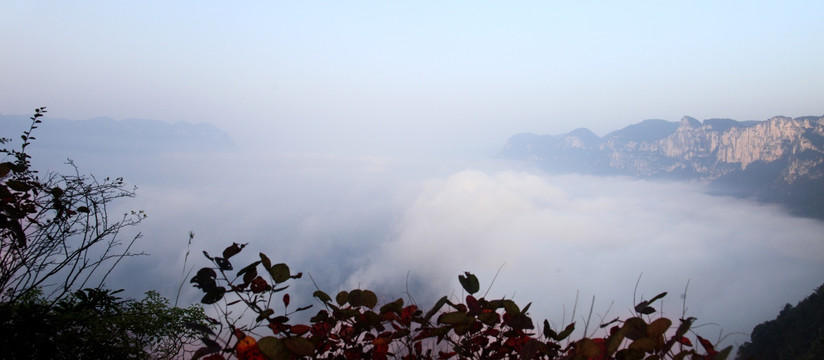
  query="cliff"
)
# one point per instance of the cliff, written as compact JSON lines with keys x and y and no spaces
{"x":778,"y":160}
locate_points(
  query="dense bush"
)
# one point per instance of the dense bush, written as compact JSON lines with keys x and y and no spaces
{"x":352,"y":326}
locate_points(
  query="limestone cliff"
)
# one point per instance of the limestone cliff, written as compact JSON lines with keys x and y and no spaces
{"x":777,"y":160}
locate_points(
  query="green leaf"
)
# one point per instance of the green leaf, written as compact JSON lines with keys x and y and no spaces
{"x":273,"y":348}
{"x":455,"y":318}
{"x":438,"y":305}
{"x":395,"y":306}
{"x":299,"y":346}
{"x":279,"y":272}
{"x":322,"y":296}
{"x":363,"y":298}
{"x":83,"y":209}
{"x":567,"y":331}
{"x":342,"y":297}
{"x":469,"y":282}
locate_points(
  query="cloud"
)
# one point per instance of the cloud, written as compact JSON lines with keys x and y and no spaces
{"x":557,"y":236}
{"x":393,"y":226}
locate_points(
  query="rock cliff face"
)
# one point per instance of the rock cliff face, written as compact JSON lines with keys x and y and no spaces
{"x":777,"y":160}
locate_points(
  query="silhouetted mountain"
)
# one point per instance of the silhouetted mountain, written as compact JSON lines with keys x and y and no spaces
{"x":779,"y":160}
{"x":124,"y":137}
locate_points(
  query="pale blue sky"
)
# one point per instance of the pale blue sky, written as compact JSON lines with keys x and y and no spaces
{"x":381,"y":77}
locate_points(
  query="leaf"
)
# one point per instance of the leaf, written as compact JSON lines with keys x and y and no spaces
{"x":279,"y":272}
{"x":469,"y":282}
{"x":300,"y":346}
{"x":213,"y":295}
{"x":363,"y":298}
{"x":299,"y":329}
{"x":322,"y":296}
{"x":201,"y":328}
{"x":232,"y":250}
{"x":223,"y":264}
{"x":658,"y":327}
{"x":567,"y":331}
{"x":644,"y":344}
{"x":18,"y":185}
{"x":342,"y":297}
{"x":56,"y":192}
{"x":205,"y":279}
{"x":438,"y":305}
{"x":395,"y":306}
{"x":656,"y":297}
{"x":265,"y":314}
{"x":83,"y":209}
{"x":266,"y":263}
{"x":454,"y":318}
{"x":273,"y":348}
{"x":635,"y":328}
{"x":286,"y":300}
{"x":4,"y":169}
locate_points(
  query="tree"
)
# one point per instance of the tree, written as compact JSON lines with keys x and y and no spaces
{"x":58,"y":244}
{"x":56,"y":230}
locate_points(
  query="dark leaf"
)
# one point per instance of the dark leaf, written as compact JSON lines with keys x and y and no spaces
{"x":322,"y":296}
{"x":300,"y":346}
{"x":342,"y":297}
{"x":469,"y":282}
{"x":272,"y":348}
{"x":567,"y":331}
{"x":18,"y":185}
{"x":266,"y":263}
{"x":232,"y":250}
{"x":223,"y":263}
{"x":213,"y":296}
{"x":279,"y":272}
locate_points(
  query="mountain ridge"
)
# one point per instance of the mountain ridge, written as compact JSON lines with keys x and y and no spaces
{"x":778,"y":160}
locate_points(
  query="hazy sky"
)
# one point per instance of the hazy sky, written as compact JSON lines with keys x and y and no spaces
{"x":341,"y":93}
{"x":375,"y":77}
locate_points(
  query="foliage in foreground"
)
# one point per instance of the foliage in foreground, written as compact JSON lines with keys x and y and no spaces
{"x":797,"y":332}
{"x":96,"y":324}
{"x":58,"y":243}
{"x":352,"y":326}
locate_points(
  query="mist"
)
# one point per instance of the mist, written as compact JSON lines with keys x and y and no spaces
{"x":407,"y":228}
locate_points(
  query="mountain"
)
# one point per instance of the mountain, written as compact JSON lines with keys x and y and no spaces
{"x":123,"y":137}
{"x":780,"y":160}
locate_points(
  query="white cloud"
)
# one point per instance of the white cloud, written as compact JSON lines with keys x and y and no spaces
{"x":559,"y":235}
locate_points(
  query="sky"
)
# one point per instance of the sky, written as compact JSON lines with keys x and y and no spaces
{"x":366,"y":130}
{"x":405,"y":78}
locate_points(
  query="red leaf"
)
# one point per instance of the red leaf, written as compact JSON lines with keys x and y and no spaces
{"x":299,"y":329}
{"x":708,"y":346}
{"x":286,"y":300}
{"x":685,"y":341}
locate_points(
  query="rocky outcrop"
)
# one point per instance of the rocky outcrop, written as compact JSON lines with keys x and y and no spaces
{"x":768,"y":159}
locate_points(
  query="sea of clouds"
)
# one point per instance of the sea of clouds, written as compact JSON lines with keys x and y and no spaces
{"x":407,"y":228}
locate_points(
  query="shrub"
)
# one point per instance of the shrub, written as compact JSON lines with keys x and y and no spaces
{"x":352,"y":326}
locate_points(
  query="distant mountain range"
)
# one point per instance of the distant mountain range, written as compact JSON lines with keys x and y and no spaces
{"x":780,"y":160}
{"x":120,"y":137}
